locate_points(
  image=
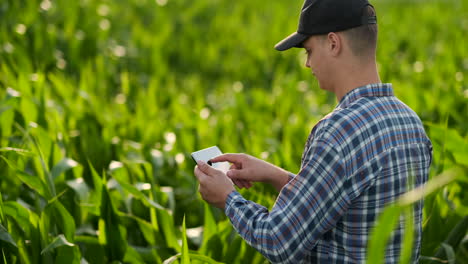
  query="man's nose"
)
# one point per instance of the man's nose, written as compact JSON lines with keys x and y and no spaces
{"x":307,"y":64}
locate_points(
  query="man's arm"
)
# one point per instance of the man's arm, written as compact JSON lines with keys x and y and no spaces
{"x":308,"y":206}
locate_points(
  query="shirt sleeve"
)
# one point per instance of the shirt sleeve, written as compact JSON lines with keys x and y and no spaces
{"x":309,"y":205}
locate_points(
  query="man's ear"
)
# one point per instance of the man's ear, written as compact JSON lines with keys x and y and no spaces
{"x":334,"y":43}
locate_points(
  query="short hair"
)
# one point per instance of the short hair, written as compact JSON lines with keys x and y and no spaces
{"x":363,"y":39}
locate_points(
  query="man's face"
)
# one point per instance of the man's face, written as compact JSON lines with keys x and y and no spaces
{"x":315,"y":47}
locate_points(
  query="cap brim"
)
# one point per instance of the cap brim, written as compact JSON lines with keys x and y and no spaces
{"x":292,"y":41}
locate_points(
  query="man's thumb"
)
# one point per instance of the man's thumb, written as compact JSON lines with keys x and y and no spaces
{"x":203,"y":166}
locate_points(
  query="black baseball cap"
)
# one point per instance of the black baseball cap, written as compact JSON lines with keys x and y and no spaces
{"x":324,"y":16}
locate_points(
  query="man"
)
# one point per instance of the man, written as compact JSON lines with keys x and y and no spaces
{"x":357,"y":159}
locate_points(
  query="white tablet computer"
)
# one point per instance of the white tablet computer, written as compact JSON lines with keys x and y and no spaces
{"x":209,"y":153}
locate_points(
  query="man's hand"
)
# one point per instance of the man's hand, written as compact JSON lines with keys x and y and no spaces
{"x":215,"y":186}
{"x":246,"y":168}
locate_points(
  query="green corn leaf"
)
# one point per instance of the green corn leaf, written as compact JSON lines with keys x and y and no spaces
{"x":153,"y":254}
{"x":24,"y":224}
{"x":19,"y":151}
{"x":110,"y":229}
{"x":45,"y":227}
{"x":33,"y":182}
{"x":137,"y":193}
{"x":19,"y":249}
{"x":164,"y":192}
{"x":456,"y":236}
{"x":80,"y":187}
{"x":162,"y":220}
{"x":67,"y":254}
{"x":43,"y":142}
{"x":97,"y":179}
{"x":193,"y":256}
{"x":58,"y":215}
{"x":148,"y":232}
{"x":211,"y":244}
{"x":2,"y":216}
{"x":248,"y":254}
{"x":172,"y":259}
{"x":66,"y":221}
{"x":59,"y":241}
{"x":449,"y":252}
{"x":453,"y":240}
{"x":407,"y":245}
{"x":24,"y":218}
{"x":185,"y":252}
{"x":453,"y":142}
{"x":132,"y":256}
{"x":381,"y":233}
{"x":233,"y":250}
{"x":151,"y":235}
{"x":203,"y":259}
{"x":209,"y":227}
{"x":93,"y":250}
{"x":6,"y":237}
{"x":64,"y":165}
{"x":96,"y":195}
{"x":166,"y":225}
{"x":389,"y":217}
{"x":6,"y":122}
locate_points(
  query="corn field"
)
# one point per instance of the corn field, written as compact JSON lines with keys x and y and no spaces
{"x":102,"y":102}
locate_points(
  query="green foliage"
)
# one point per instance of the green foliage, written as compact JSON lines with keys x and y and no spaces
{"x":101,"y":103}
{"x":391,"y":215}
{"x":185,"y":258}
{"x":6,"y":238}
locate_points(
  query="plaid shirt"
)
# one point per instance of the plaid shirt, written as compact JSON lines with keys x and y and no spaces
{"x":358,"y":159}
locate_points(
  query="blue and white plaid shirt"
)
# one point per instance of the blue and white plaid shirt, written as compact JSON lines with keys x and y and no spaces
{"x":358,"y":159}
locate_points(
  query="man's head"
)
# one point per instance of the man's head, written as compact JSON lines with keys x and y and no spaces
{"x":339,"y":36}
{"x":319,"y":17}
{"x":357,"y":44}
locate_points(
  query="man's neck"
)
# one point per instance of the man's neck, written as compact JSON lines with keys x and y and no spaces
{"x":355,"y":77}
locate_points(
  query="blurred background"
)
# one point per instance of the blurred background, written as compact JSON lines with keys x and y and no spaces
{"x":102,"y":102}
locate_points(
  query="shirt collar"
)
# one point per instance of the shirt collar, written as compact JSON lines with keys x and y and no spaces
{"x":370,"y":90}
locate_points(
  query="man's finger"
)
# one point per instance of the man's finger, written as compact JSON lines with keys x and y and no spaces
{"x":236,"y":174}
{"x":236,"y":182}
{"x":207,"y":169}
{"x":231,"y":157}
{"x":245,"y":183}
{"x":249,"y":184}
{"x":240,"y":183}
